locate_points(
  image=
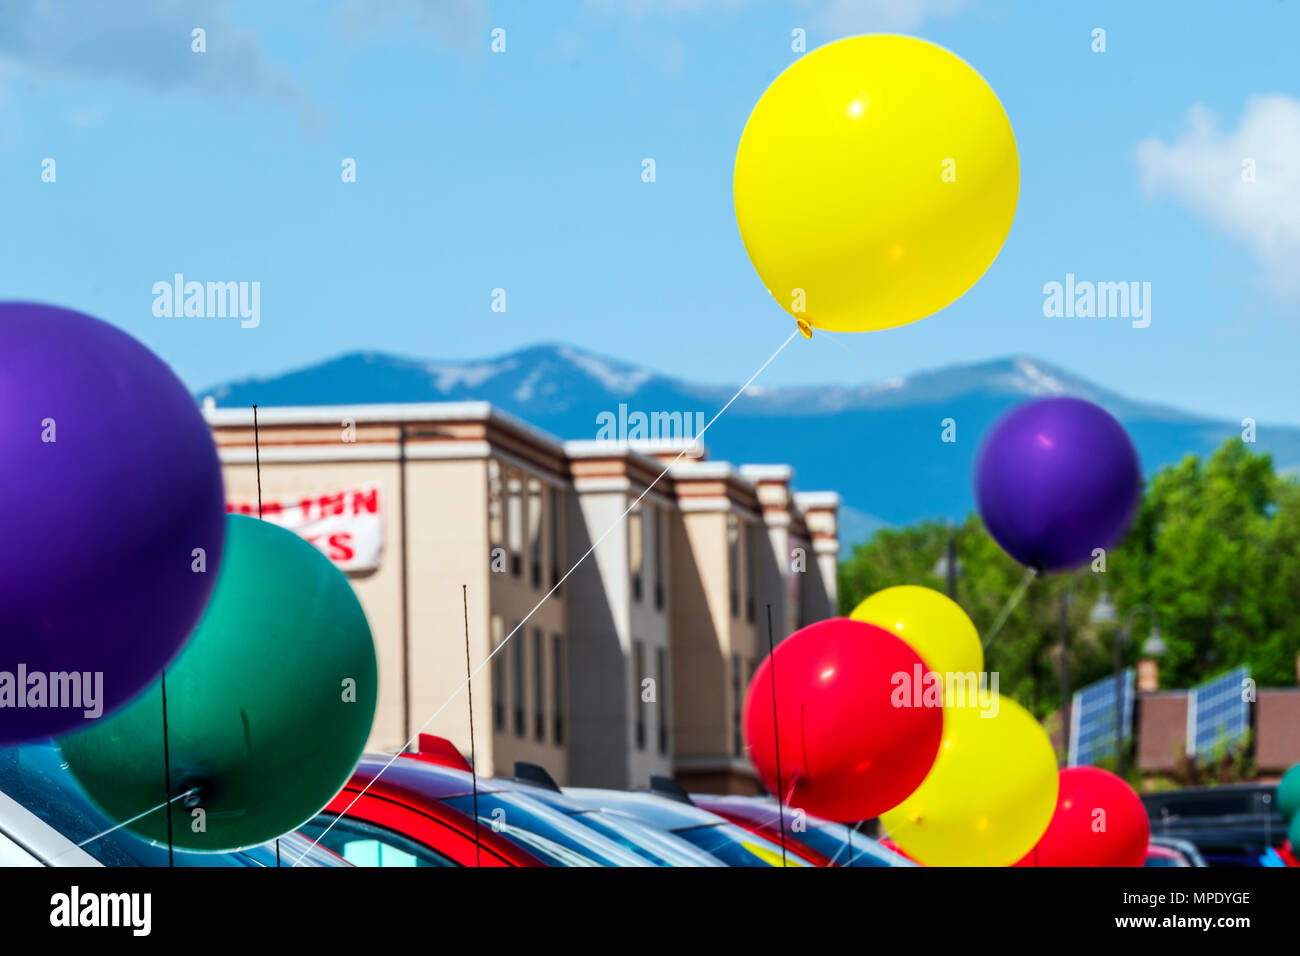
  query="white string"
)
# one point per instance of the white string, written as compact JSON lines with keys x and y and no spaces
{"x":124,"y":823}
{"x":547,"y":595}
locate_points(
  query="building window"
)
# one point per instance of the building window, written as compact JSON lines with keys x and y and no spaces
{"x":794,"y":595}
{"x":661,"y":705}
{"x":515,"y":521}
{"x":539,"y":684}
{"x":517,"y":659}
{"x":535,"y":532}
{"x":638,"y":675}
{"x":498,"y":676}
{"x":496,"y":508}
{"x":557,"y":686}
{"x":635,"y":549}
{"x":557,"y":530}
{"x":737,"y":699}
{"x":661,"y":544}
{"x":733,"y":562}
{"x":751,"y":571}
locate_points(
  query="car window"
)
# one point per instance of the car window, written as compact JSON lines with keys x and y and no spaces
{"x":293,"y":849}
{"x":555,"y":836}
{"x":364,"y":844}
{"x":737,"y":847}
{"x":35,"y":776}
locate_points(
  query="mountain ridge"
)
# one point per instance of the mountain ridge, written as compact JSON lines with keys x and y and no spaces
{"x":562,"y":389}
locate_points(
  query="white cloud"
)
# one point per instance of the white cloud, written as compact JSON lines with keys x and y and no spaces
{"x":839,"y":17}
{"x":1204,"y":168}
{"x":460,"y":25}
{"x":845,"y":17}
{"x":149,"y":47}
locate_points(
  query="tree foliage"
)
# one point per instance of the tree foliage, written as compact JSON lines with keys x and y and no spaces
{"x":1213,"y":557}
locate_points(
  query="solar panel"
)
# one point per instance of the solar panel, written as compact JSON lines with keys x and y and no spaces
{"x":1092,"y":719}
{"x":1217,"y":712}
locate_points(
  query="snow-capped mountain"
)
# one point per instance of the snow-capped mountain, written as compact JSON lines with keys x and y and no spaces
{"x":562,"y":389}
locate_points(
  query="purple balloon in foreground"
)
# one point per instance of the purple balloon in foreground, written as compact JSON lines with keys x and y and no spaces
{"x":1055,"y":479}
{"x":109,"y":480}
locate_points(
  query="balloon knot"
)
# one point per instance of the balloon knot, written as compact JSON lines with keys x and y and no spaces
{"x":805,"y":327}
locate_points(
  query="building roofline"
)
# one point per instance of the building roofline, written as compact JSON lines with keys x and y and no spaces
{"x":386,"y":413}
{"x":757,"y":473}
{"x":817,"y":500}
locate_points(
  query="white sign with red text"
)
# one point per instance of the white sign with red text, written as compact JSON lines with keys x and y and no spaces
{"x":347,"y":526}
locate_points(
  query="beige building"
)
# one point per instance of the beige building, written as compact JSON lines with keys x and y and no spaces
{"x":635,"y":662}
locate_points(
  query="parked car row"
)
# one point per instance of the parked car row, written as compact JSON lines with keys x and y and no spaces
{"x":427,"y":809}
{"x":1234,"y":825}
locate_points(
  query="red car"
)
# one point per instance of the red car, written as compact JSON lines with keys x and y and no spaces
{"x":420,"y":812}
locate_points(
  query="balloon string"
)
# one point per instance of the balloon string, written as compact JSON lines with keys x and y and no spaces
{"x":125,"y":823}
{"x":547,"y":596}
{"x":257,"y":457}
{"x":167,"y":771}
{"x":473,"y":760}
{"x":776,"y":737}
{"x":834,"y":337}
{"x":1015,"y":599}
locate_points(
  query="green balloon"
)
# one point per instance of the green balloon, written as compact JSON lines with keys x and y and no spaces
{"x":1288,"y":793}
{"x":269,"y":705}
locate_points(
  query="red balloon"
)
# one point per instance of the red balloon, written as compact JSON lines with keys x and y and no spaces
{"x":1099,"y":821}
{"x":853,"y":743}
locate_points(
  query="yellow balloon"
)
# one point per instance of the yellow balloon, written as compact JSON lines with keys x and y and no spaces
{"x":990,"y":794}
{"x":875,"y":182}
{"x":930,"y":623}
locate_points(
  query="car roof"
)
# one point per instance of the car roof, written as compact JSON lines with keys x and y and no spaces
{"x":759,"y":811}
{"x":417,"y":776}
{"x":660,"y":811}
{"x":1164,"y":852}
{"x":557,"y":799}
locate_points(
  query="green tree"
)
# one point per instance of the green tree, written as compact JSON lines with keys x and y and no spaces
{"x":1214,"y":551}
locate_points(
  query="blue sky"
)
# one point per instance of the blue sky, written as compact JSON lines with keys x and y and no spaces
{"x":522,"y":170}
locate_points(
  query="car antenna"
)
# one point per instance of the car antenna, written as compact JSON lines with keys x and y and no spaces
{"x":670,"y":788}
{"x":526,"y":772}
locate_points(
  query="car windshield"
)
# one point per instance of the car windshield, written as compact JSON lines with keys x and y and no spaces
{"x":34,"y":775}
{"x":364,"y":844}
{"x":294,"y":849}
{"x":555,"y":837}
{"x":737,"y":847}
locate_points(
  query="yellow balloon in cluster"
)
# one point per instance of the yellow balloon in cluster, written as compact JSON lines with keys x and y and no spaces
{"x":930,"y":623}
{"x":990,"y":794}
{"x":875,"y":182}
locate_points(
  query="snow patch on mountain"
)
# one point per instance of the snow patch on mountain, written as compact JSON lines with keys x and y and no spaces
{"x":623,"y":381}
{"x":448,"y":376}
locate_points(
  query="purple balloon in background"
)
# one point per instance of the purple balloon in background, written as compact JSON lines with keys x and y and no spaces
{"x":98,"y":526}
{"x":1057,"y":478}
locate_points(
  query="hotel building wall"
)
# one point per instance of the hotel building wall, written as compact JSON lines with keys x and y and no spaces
{"x":637,"y":664}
